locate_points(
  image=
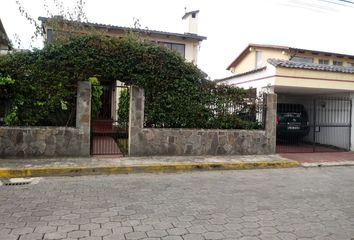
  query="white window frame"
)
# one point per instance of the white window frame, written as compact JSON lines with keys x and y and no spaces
{"x":258,"y":63}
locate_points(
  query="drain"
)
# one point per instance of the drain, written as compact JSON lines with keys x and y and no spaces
{"x":15,"y":183}
{"x":19,"y":181}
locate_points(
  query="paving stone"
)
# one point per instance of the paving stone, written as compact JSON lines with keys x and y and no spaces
{"x":250,"y":232}
{"x":22,"y":230}
{"x":172,"y":238}
{"x":101,"y":232}
{"x":45,"y":229}
{"x":55,"y":235}
{"x":91,"y":238}
{"x":131,"y":223}
{"x":114,"y":237}
{"x":197,"y":229}
{"x":68,"y":228}
{"x":193,"y":236}
{"x":4,"y":231}
{"x":213,"y":235}
{"x":156,"y":233}
{"x":122,"y":230}
{"x":32,"y":236}
{"x":162,"y":225}
{"x":214,"y":228}
{"x":177,"y":231}
{"x":100,"y":220}
{"x":78,"y":234}
{"x":8,"y":237}
{"x":143,"y":228}
{"x":89,"y":226}
{"x":58,"y":223}
{"x":135,"y":235}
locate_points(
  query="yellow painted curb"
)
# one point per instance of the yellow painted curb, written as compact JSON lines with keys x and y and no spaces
{"x":152,"y":168}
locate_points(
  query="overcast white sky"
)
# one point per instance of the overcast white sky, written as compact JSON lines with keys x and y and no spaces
{"x":229,"y":25}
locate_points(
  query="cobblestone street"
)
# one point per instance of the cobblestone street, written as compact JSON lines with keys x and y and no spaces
{"x":315,"y":203}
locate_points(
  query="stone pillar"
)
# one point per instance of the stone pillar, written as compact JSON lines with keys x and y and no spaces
{"x":271,"y":121}
{"x":83,"y":116}
{"x":136,"y":118}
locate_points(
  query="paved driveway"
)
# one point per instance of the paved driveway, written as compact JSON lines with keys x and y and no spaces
{"x":287,"y":204}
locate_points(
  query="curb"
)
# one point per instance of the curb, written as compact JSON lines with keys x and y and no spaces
{"x":152,"y":168}
{"x":328,"y":164}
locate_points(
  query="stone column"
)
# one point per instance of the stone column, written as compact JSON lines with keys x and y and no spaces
{"x":271,"y":121}
{"x":83,"y":116}
{"x":136,"y":118}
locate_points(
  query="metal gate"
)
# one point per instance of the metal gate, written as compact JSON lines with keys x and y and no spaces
{"x":109,"y":126}
{"x":320,"y":124}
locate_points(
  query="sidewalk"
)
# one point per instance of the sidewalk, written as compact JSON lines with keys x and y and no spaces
{"x":10,"y":168}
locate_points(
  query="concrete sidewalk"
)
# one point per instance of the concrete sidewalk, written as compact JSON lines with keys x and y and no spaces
{"x":10,"y":168}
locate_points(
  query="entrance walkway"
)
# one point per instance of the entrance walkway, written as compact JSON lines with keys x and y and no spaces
{"x":105,"y":145}
{"x":321,"y":157}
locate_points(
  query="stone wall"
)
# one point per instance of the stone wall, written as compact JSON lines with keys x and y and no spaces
{"x":167,"y":141}
{"x":52,"y":141}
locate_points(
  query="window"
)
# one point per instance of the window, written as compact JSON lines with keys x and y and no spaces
{"x":337,"y":63}
{"x":302,"y":59}
{"x":49,"y":35}
{"x":258,"y":59}
{"x":180,"y":48}
{"x":323,"y":61}
{"x":350,"y":64}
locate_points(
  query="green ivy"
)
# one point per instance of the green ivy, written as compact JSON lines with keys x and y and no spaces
{"x":123,"y":109}
{"x":97,"y":92}
{"x":177,"y":93}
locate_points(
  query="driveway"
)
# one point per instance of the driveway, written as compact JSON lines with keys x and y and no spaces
{"x":314,"y":203}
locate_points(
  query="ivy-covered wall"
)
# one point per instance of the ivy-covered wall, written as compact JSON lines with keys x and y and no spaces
{"x":41,"y":84}
{"x":52,"y":141}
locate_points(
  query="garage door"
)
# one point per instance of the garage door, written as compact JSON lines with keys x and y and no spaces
{"x":320,"y":124}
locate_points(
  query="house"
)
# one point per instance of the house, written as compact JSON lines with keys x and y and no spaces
{"x":187,"y":44}
{"x":319,"y":81}
{"x":105,"y":126}
{"x":5,"y":44}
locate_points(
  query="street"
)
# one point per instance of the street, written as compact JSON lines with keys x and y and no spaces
{"x":314,"y":203}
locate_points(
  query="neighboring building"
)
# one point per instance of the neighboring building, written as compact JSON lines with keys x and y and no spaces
{"x":282,"y":69}
{"x":187,"y":44}
{"x":323,"y":82}
{"x":5,"y":44}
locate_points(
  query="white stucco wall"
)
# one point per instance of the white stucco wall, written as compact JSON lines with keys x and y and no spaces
{"x":263,"y":80}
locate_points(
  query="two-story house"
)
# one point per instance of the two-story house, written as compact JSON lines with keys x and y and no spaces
{"x":186,"y":44}
{"x":320,"y":82}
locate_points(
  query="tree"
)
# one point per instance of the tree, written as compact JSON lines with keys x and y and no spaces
{"x":60,"y":19}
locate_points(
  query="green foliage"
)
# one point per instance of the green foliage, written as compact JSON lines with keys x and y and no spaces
{"x":123,"y":109}
{"x":97,"y":92}
{"x":176,"y":93}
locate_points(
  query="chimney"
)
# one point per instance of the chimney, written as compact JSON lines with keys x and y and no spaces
{"x":192,"y":17}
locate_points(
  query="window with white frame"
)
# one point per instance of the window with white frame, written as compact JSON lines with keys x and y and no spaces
{"x":258,"y":59}
{"x":49,"y":35}
{"x":177,"y":47}
{"x":337,"y":63}
{"x":302,"y":59}
{"x":323,"y":61}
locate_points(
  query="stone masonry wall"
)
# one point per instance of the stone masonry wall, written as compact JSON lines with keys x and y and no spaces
{"x":167,"y":141}
{"x":52,"y":141}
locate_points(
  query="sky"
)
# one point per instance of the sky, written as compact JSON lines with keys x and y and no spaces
{"x":229,"y":25}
